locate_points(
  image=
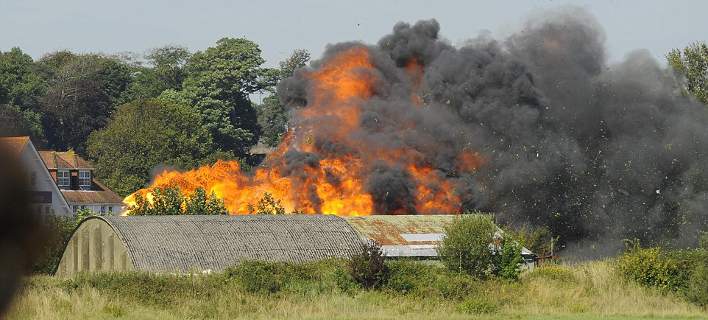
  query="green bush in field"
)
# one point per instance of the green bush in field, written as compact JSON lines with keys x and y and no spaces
{"x":553,"y":272}
{"x":507,"y":259}
{"x":408,"y":276}
{"x":149,"y":288}
{"x":59,"y":230}
{"x":304,"y":278}
{"x":682,"y":271}
{"x":466,"y":247}
{"x":260,"y":277}
{"x":697,"y":290}
{"x":425,"y":280}
{"x":455,"y":286}
{"x":478,"y":305}
{"x":368,"y":268}
{"x":655,"y":267}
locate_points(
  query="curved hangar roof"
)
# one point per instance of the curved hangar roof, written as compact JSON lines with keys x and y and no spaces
{"x":197,"y":243}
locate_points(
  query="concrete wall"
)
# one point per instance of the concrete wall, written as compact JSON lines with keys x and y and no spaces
{"x":94,"y":247}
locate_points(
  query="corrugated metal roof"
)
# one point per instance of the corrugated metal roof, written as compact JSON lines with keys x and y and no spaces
{"x":403,"y":235}
{"x":394,"y":229}
{"x":185,"y":243}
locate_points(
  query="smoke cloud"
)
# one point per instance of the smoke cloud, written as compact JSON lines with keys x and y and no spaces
{"x":563,"y":138}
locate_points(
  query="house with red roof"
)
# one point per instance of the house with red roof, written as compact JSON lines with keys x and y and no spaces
{"x":64,"y":181}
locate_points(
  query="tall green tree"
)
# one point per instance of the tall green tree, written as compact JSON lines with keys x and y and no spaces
{"x":165,"y":70}
{"x":272,"y":115}
{"x":298,"y":59}
{"x":143,"y":135}
{"x":20,"y":85}
{"x":218,"y":83}
{"x":692,"y":65}
{"x":80,"y":98}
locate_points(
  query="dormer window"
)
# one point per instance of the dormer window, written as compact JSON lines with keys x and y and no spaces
{"x":63,"y":179}
{"x":84,"y":179}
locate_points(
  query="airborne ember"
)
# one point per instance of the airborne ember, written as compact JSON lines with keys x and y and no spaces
{"x":537,"y":128}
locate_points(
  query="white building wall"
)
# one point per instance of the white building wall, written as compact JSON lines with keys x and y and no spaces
{"x":43,"y":181}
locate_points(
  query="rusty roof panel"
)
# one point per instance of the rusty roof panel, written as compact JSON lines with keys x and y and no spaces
{"x":391,"y":230}
{"x":14,"y":144}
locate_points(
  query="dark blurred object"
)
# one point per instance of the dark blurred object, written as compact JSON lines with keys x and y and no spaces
{"x":21,"y":229}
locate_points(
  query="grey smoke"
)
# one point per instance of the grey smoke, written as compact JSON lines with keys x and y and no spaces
{"x":591,"y":149}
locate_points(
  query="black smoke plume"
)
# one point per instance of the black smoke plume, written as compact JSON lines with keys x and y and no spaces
{"x":591,"y":149}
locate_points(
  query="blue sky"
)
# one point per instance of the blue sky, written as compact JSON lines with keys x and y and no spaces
{"x":41,"y":26}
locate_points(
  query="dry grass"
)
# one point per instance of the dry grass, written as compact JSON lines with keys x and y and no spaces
{"x":587,"y":291}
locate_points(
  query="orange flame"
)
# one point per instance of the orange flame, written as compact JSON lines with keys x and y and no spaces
{"x":333,"y":184}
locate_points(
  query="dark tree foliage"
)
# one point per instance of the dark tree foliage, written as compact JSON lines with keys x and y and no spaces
{"x":272,"y":114}
{"x":367,"y":268}
{"x":171,"y":201}
{"x":80,"y":97}
{"x":144,"y":135}
{"x":17,"y":122}
{"x":273,"y":120}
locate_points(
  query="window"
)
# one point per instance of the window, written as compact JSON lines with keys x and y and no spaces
{"x":63,"y":179}
{"x":75,"y":208}
{"x":110,"y":209}
{"x":85,"y":180}
{"x":103,"y":209}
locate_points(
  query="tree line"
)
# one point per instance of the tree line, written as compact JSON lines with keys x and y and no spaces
{"x":128,"y":115}
{"x":174,"y":107}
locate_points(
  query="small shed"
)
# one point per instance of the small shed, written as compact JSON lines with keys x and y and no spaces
{"x":414,"y":236}
{"x":200,"y":243}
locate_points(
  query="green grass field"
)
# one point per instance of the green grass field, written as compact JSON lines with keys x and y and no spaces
{"x":586,"y":291}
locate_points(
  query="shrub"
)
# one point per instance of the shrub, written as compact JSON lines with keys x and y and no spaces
{"x":58,"y":230}
{"x":553,"y":272}
{"x":159,"y":290}
{"x":507,"y":259}
{"x":537,"y":239}
{"x":260,"y":277}
{"x":478,"y":305}
{"x":455,"y":286}
{"x":368,"y":268}
{"x":697,"y":290}
{"x":466,"y":247}
{"x":654,"y":267}
{"x":406,"y":276}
